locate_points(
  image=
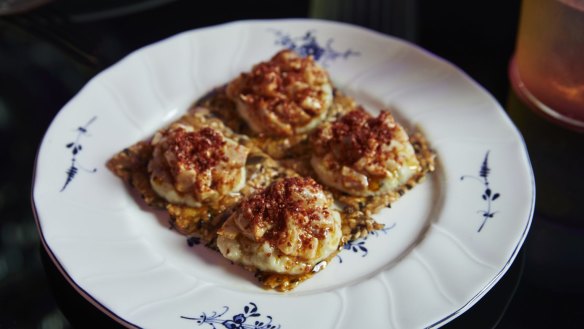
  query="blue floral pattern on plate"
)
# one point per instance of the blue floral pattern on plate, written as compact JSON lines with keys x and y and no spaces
{"x":358,"y":246}
{"x":75,"y":148}
{"x":308,"y":45}
{"x":488,"y":195}
{"x":250,"y":318}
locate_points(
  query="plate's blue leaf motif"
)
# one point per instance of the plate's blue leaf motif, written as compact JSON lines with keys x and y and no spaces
{"x":75,"y":148}
{"x":250,"y":318}
{"x":193,"y":241}
{"x":488,"y":195}
{"x":358,"y":246}
{"x":308,"y":45}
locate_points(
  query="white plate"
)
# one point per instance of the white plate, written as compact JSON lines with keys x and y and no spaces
{"x":436,"y":258}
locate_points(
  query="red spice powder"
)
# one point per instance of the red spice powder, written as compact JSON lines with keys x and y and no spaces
{"x":352,"y":136}
{"x":267,"y":85}
{"x":199,"y":150}
{"x":271,"y":207}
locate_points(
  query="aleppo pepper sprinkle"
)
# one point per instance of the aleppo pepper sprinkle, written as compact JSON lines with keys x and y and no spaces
{"x":353,"y":135}
{"x":199,"y":150}
{"x":269,"y":85}
{"x":273,"y":206}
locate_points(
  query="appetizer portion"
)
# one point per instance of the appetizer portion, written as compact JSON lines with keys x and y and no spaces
{"x":284,"y":96}
{"x":194,"y":167}
{"x":239,"y":169}
{"x":287,"y":228}
{"x":362,"y":155}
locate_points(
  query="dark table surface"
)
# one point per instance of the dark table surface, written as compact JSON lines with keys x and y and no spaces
{"x":48,"y":53}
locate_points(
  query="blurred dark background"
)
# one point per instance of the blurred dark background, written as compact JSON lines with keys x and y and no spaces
{"x":50,"y":49}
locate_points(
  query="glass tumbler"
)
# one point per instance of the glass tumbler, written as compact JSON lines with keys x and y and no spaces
{"x":547,"y":71}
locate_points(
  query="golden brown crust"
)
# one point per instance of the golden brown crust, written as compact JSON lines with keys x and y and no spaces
{"x":287,"y":282}
{"x":131,"y":165}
